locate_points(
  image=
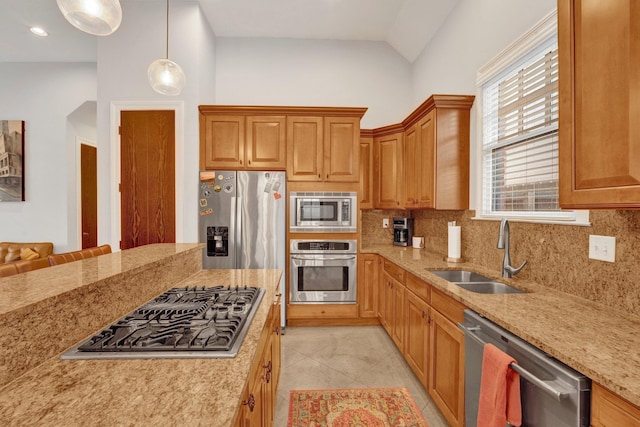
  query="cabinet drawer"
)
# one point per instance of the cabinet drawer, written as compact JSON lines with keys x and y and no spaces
{"x":418,"y":287}
{"x":394,"y":271}
{"x":447,"y":306}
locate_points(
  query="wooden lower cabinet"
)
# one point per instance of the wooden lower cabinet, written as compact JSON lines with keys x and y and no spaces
{"x":609,"y":410}
{"x":417,"y":336}
{"x":423,"y":324}
{"x":368,"y":285}
{"x":259,"y":397}
{"x":398,"y":292}
{"x":446,"y":368}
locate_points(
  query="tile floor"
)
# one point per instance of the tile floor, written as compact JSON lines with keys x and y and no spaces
{"x":346,"y":357}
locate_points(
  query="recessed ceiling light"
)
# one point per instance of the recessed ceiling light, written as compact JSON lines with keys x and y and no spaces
{"x":38,"y":31}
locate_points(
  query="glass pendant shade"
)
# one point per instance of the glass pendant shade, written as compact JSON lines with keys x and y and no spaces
{"x":166,"y":77}
{"x":97,"y":17}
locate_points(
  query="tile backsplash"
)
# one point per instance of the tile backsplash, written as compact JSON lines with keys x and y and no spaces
{"x":557,"y":255}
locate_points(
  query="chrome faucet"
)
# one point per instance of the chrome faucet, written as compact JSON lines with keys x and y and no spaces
{"x":503,"y":243}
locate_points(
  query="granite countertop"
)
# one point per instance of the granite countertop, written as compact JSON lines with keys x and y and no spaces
{"x":603,"y":345}
{"x":128,"y":392}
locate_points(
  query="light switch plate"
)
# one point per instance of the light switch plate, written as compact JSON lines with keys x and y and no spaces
{"x":602,"y":248}
{"x":385,"y":223}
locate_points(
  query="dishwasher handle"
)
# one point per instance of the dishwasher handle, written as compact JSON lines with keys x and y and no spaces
{"x":542,"y":385}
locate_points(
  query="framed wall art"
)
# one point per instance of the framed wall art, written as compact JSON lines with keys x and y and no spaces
{"x":11,"y":160}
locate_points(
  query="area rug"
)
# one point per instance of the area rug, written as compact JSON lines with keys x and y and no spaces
{"x":358,"y":407}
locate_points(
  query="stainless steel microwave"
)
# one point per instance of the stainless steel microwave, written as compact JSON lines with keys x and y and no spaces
{"x":323,"y":212}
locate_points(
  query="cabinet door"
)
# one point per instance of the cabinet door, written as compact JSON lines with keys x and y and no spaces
{"x":388,"y":171}
{"x":412,"y":169}
{"x":366,"y":173}
{"x":304,"y":148}
{"x":417,"y":336}
{"x":426,"y":175}
{"x":609,"y":410}
{"x":266,"y":143}
{"x":446,"y":368}
{"x":398,"y":317}
{"x":368,"y":285}
{"x":222,"y":142}
{"x":599,"y":130}
{"x":341,"y":149}
{"x":387,"y":306}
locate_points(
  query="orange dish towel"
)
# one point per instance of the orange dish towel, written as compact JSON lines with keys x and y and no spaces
{"x":499,"y":390}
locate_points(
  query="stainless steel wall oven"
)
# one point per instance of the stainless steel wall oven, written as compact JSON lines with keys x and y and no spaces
{"x":323,"y":272}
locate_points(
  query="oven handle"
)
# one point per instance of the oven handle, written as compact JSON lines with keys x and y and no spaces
{"x":542,"y":385}
{"x":316,"y":258}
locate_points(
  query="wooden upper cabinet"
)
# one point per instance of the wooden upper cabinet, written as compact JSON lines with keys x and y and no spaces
{"x":323,"y":149}
{"x":366,"y":171}
{"x":599,"y":77}
{"x":419,"y":165}
{"x":431,"y":170}
{"x":387,"y":166}
{"x":222,"y":142}
{"x":342,"y":149}
{"x":266,"y":142}
{"x":304,"y":148}
{"x":310,"y":143}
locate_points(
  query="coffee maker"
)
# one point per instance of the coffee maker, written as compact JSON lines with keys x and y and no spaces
{"x":402,"y":231}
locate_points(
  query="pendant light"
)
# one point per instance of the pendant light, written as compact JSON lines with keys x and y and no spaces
{"x":97,"y":17}
{"x":165,"y":76}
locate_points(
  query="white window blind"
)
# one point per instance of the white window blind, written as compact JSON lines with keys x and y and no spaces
{"x":520,"y":138}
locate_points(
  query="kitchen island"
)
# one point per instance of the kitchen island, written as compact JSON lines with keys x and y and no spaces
{"x":40,"y":389}
{"x":601,"y":344}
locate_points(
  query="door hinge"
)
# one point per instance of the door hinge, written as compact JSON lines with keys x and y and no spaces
{"x":119,"y":187}
{"x":120,"y":244}
{"x":119,"y":130}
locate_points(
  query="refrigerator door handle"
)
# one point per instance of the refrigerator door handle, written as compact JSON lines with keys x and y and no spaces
{"x":236,"y":215}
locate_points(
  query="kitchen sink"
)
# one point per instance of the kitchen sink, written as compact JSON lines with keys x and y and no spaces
{"x":475,"y":282}
{"x":457,"y":276}
{"x":489,"y":288}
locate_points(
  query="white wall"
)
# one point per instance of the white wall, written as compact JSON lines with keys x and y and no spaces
{"x":123,"y":59}
{"x":315,"y":73}
{"x":43,"y":95}
{"x":473,"y":33}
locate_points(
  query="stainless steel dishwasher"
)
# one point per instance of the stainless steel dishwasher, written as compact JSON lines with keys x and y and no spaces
{"x":552,"y":394}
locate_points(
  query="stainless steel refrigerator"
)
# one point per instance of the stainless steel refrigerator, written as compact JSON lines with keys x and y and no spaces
{"x":242,"y":221}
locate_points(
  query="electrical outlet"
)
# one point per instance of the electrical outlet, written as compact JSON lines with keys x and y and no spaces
{"x":385,"y":223}
{"x":602,"y":248}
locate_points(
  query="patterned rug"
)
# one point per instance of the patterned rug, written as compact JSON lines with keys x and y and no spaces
{"x":358,"y":407}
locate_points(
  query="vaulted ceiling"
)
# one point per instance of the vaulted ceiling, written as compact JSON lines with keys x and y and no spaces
{"x":406,"y":25}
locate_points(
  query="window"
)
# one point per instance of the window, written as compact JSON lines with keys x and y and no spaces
{"x":519,"y":127}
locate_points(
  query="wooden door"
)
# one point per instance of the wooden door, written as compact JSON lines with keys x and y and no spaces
{"x":366,"y":172}
{"x":398,"y":320}
{"x":386,"y":304}
{"x":304,"y":148}
{"x":426,"y":176}
{"x":89,"y":195}
{"x":387,"y":171}
{"x":446,"y":368}
{"x":599,"y":130}
{"x":417,"y":336}
{"x":222,"y":142}
{"x":368,"y":285}
{"x":412,"y":169}
{"x":341,"y":149}
{"x":147,"y":177}
{"x":266,"y":143}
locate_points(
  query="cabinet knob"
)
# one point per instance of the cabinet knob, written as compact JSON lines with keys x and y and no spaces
{"x":251,"y":402}
{"x":319,"y":176}
{"x":327,"y":176}
{"x":240,"y":161}
{"x":248,"y":161}
{"x":424,"y":314}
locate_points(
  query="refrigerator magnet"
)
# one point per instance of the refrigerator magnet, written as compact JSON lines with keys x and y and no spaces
{"x":277,"y":196}
{"x":206,"y":212}
{"x":203,"y":203}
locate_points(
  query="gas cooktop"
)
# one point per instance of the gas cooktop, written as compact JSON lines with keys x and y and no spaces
{"x":181,"y":323}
